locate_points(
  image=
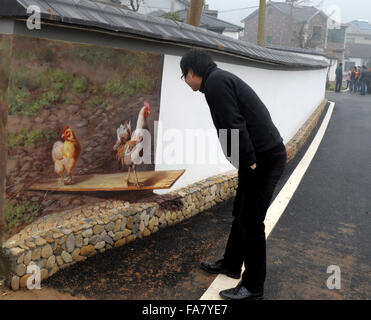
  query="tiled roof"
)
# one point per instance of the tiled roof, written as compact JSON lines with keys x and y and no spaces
{"x":116,"y":19}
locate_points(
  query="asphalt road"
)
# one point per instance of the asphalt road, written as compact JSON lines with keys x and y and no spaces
{"x":327,"y":222}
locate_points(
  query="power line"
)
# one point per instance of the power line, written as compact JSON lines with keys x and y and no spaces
{"x":223,"y":11}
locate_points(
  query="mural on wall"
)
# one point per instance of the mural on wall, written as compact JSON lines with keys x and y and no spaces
{"x":74,"y":112}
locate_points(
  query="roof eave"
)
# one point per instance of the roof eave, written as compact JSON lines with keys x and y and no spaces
{"x":11,"y":8}
{"x":217,"y":47}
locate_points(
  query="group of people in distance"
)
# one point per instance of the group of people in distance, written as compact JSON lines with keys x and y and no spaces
{"x":358,"y":79}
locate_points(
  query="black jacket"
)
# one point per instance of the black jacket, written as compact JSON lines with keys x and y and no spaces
{"x":339,"y":73}
{"x":364,"y":74}
{"x":234,"y":105}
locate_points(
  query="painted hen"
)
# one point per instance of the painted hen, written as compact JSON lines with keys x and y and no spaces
{"x":65,"y":155}
{"x":127,"y":151}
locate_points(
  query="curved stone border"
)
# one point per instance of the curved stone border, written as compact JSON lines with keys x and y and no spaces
{"x":62,"y":239}
{"x":59,"y":240}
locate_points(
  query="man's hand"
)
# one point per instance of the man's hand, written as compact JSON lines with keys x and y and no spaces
{"x":253,"y":166}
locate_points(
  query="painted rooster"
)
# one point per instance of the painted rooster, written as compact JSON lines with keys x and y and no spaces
{"x":127,"y":150}
{"x":65,"y":155}
{"x":123,"y":135}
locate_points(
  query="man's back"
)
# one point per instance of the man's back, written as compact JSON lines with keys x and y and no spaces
{"x":223,"y":88}
{"x":364,"y":75}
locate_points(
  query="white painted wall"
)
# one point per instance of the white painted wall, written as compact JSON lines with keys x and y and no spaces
{"x":290,"y":96}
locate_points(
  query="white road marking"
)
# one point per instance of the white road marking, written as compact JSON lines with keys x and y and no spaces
{"x":277,"y":207}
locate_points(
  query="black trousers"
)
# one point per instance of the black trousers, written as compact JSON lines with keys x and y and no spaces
{"x":246,"y":242}
{"x":338,"y":84}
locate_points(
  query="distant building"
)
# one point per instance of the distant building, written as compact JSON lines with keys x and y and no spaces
{"x":359,"y":31}
{"x":296,"y":26}
{"x":358,"y":44}
{"x":335,"y":46}
{"x":357,"y":54}
{"x":289,"y":25}
{"x":209,"y":20}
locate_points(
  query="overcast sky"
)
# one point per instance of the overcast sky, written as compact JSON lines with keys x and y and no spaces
{"x":348,"y":10}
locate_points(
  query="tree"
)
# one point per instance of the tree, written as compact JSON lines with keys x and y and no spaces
{"x":172,"y":16}
{"x":305,"y":35}
{"x":135,"y":4}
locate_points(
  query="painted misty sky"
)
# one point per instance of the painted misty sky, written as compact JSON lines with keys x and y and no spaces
{"x":349,"y":9}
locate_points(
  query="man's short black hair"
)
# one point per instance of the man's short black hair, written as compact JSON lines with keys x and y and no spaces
{"x":198,"y":60}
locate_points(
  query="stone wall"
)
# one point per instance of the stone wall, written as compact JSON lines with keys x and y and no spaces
{"x":59,"y":240}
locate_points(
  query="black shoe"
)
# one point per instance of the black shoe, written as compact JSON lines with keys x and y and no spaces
{"x":240,"y":293}
{"x":219,"y":267}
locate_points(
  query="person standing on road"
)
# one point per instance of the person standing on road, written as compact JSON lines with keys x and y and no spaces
{"x":368,"y":80}
{"x":233,"y":104}
{"x":363,"y":80}
{"x":353,"y":80}
{"x":348,"y":78}
{"x":358,"y":84}
{"x":339,"y":77}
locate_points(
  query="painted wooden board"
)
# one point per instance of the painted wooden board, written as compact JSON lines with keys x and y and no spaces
{"x":148,"y":180}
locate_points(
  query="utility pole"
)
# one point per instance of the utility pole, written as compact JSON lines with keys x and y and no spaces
{"x":261,"y":23}
{"x":291,"y":23}
{"x":194,"y":12}
{"x":172,"y":5}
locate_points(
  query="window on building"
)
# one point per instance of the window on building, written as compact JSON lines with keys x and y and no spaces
{"x":367,"y":38}
{"x":269,"y":40}
{"x":351,"y":40}
{"x":336,"y":35}
{"x":317,"y":32}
